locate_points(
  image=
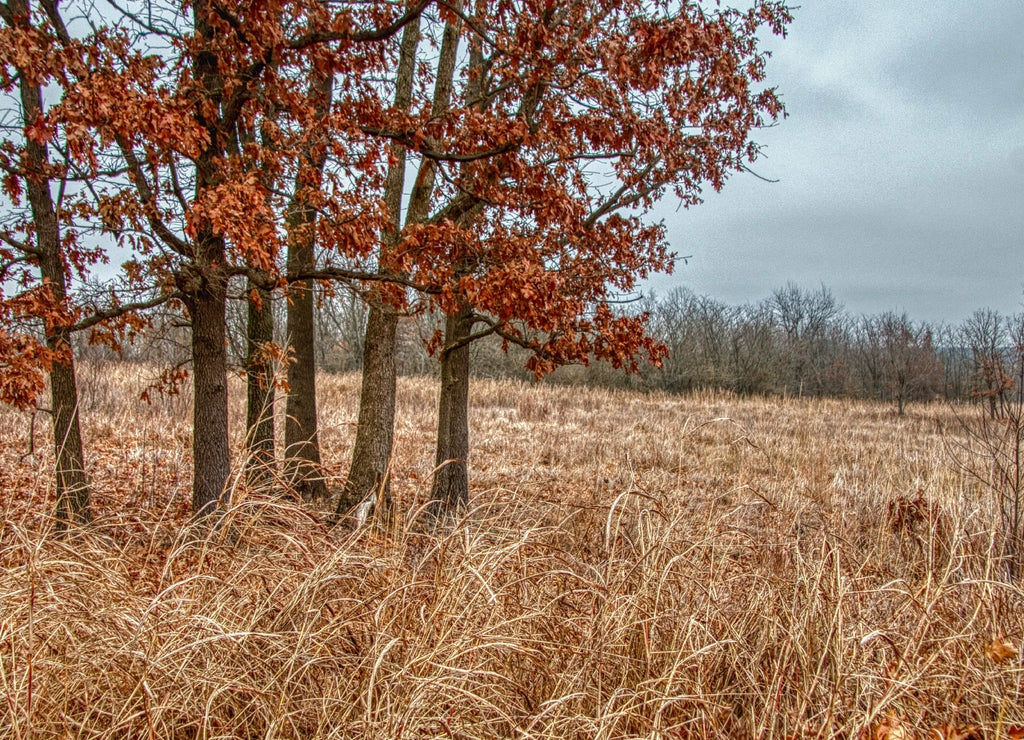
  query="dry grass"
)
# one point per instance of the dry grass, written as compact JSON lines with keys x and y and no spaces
{"x":633,"y":566}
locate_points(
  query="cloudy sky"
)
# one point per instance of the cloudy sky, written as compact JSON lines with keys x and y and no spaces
{"x":900,"y":167}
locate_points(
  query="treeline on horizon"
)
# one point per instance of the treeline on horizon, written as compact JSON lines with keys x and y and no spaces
{"x":796,"y":342}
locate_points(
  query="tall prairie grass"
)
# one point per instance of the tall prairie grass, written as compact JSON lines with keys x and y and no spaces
{"x":631,"y":566}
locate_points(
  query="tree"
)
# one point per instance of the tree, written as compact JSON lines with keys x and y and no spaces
{"x":911,"y":368}
{"x":985,"y":332}
{"x":369,"y":477}
{"x":340,"y":329}
{"x":806,"y":319}
{"x":260,"y":361}
{"x":671,"y":322}
{"x":197,"y":210}
{"x":39,"y":250}
{"x":302,"y":444}
{"x":993,"y":449}
{"x":571,"y":121}
{"x":262,"y":355}
{"x":753,"y":356}
{"x":956,"y":361}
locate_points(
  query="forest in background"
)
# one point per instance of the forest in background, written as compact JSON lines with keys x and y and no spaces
{"x":796,"y":342}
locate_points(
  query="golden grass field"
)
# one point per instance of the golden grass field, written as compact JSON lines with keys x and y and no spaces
{"x":632,"y":566}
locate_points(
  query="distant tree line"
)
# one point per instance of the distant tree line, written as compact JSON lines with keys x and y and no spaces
{"x":796,"y":342}
{"x":800,"y":342}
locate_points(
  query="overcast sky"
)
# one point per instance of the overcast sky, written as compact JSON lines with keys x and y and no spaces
{"x":900,"y":166}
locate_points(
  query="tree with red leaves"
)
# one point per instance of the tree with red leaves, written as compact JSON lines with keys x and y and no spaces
{"x":206,"y":132}
{"x":541,"y":134}
{"x":548,"y":132}
{"x":39,"y":247}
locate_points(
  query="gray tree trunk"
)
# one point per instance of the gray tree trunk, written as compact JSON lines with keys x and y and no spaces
{"x":301,"y":437}
{"x":450,"y":490}
{"x":72,"y":487}
{"x":259,"y":416}
{"x":369,"y":478}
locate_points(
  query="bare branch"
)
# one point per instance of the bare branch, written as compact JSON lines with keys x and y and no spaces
{"x":20,"y":245}
{"x":145,"y":192}
{"x":319,"y":37}
{"x":105,"y":314}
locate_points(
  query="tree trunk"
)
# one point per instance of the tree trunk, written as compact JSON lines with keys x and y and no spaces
{"x":369,"y":478}
{"x":370,"y":472}
{"x":450,"y":489}
{"x":211,"y":463}
{"x":206,"y":300}
{"x":73,"y":495}
{"x":301,"y":439}
{"x":72,"y":488}
{"x":259,"y":372}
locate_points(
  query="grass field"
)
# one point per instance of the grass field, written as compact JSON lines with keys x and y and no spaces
{"x":632,"y":566}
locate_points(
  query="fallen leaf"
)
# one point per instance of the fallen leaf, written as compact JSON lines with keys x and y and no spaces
{"x":1000,"y":650}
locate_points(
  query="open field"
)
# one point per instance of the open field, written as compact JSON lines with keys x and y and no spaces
{"x":633,"y":566}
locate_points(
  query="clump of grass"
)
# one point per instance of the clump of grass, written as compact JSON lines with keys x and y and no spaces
{"x":632,"y":566}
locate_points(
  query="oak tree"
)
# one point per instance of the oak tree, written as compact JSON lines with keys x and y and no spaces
{"x":205,"y":128}
{"x":575,"y":119}
{"x":39,"y":248}
{"x":541,"y":135}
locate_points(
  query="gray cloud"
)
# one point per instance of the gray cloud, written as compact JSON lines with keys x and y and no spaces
{"x":901,"y":166}
{"x":971,"y":59}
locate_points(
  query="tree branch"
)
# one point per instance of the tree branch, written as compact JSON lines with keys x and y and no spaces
{"x":100,"y":315}
{"x":137,"y":20}
{"x":619,"y":200}
{"x":409,"y":141}
{"x":21,"y":246}
{"x":492,"y":328}
{"x":319,"y":37}
{"x":269,"y":282}
{"x":145,"y":191}
{"x":50,"y":7}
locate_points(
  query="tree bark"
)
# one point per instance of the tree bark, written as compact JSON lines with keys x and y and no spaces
{"x":204,"y":283}
{"x":370,"y":472}
{"x":72,"y":487}
{"x":259,"y":418}
{"x":73,"y":492}
{"x":301,"y":438}
{"x":211,"y":463}
{"x":369,"y":478}
{"x":450,"y":489}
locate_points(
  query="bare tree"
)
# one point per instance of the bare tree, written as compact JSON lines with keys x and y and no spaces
{"x":985,"y":332}
{"x":753,"y":356}
{"x":910,"y":367}
{"x":805,"y":318}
